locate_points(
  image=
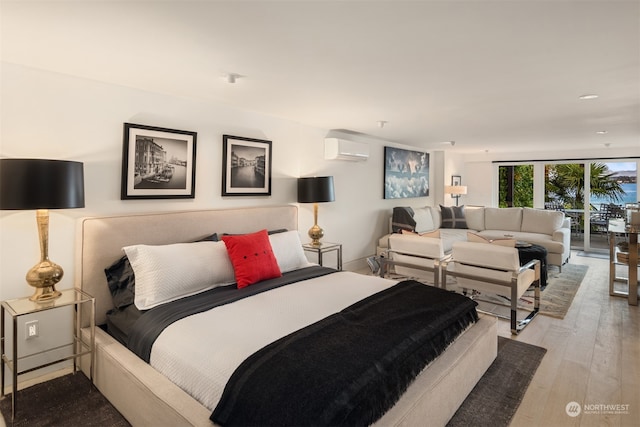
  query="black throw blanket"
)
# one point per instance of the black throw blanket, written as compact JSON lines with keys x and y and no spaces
{"x":349,"y":368}
{"x":402,"y":219}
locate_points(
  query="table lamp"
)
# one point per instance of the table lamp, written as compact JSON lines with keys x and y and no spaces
{"x":456,"y":191}
{"x":42,"y":185}
{"x":315,"y":190}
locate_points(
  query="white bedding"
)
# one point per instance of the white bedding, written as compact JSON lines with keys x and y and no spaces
{"x":235,"y":331}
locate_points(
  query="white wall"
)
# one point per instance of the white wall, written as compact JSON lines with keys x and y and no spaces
{"x":50,"y":115}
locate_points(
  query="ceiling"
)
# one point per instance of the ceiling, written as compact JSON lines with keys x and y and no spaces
{"x":489,"y":75}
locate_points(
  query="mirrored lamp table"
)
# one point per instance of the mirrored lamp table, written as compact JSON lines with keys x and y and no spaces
{"x":323,"y":248}
{"x":82,"y":304}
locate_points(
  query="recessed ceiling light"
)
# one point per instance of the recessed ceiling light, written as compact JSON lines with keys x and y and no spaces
{"x":588,"y":96}
{"x":231,"y":77}
{"x":602,"y":132}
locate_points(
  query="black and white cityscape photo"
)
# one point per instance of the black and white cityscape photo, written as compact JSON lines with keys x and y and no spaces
{"x":160,"y":163}
{"x":247,"y":166}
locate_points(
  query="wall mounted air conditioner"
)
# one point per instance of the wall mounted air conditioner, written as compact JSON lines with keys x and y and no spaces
{"x":342,"y":149}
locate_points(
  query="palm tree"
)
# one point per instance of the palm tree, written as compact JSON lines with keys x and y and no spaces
{"x":565,"y":183}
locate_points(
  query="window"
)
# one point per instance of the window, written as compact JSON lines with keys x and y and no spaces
{"x":515,"y":186}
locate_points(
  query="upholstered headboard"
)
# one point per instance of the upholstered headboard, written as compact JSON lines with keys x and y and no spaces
{"x":100,"y":239}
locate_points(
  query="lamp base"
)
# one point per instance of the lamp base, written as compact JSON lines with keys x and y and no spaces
{"x":44,"y":276}
{"x":316,"y":233}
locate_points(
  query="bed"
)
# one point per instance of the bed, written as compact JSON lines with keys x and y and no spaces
{"x":147,"y":397}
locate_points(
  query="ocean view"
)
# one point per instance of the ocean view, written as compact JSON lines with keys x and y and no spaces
{"x":631,"y":196}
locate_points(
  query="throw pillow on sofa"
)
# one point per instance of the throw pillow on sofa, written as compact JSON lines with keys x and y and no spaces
{"x":453,"y":217}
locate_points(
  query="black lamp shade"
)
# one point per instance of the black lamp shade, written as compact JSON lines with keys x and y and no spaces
{"x":315,"y":189}
{"x":41,"y":184}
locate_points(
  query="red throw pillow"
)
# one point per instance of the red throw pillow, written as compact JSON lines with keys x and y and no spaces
{"x":252,"y":258}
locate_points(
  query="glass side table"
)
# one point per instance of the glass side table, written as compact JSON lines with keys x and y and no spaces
{"x":323,"y":248}
{"x":23,"y":306}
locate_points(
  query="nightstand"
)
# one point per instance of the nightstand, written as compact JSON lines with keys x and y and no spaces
{"x":323,"y":248}
{"x":78,"y":347}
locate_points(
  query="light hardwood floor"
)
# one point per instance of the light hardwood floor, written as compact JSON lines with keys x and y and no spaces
{"x":593,"y":358}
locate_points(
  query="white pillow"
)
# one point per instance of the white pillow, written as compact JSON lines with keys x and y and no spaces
{"x":169,"y":272}
{"x":475,"y":217}
{"x":288,"y":250}
{"x":423,"y":219}
{"x":541,"y":221}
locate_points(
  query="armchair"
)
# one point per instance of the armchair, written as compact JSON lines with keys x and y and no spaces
{"x":494,"y":269}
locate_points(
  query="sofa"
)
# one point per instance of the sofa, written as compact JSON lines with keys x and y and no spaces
{"x":441,"y":226}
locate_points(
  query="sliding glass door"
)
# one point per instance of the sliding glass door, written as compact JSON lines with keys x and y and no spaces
{"x":605,"y":186}
{"x":564,"y":190}
{"x":612,"y":186}
{"x":590,"y":192}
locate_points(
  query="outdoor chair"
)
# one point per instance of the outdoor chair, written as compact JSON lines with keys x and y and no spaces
{"x":494,"y":269}
{"x":600,"y":218}
{"x":554,"y":206}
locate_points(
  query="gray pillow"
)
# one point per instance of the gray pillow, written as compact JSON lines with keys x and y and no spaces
{"x":453,"y":217}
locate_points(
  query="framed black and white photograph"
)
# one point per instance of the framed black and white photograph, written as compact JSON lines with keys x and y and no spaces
{"x":246,"y":166}
{"x":158,"y":163}
{"x":406,"y":173}
{"x":456,"y":180}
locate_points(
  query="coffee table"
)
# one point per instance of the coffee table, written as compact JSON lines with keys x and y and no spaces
{"x":528,"y":252}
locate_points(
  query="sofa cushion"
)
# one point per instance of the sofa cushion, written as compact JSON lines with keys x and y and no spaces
{"x":475,"y":217}
{"x":500,"y":241}
{"x":453,"y":217}
{"x":415,"y":244}
{"x":541,"y":221}
{"x":451,"y":235}
{"x":434,"y":234}
{"x":507,"y":219}
{"x":424,"y":220}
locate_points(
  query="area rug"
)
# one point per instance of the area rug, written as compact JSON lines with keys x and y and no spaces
{"x":496,"y":397}
{"x":555,"y":299}
{"x":67,"y":401}
{"x":64,"y":401}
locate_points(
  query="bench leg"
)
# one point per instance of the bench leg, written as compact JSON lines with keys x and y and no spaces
{"x":518,"y":325}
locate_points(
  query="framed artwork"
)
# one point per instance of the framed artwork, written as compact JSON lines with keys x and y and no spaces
{"x":455,"y":180}
{"x":158,"y":163}
{"x":406,"y":173}
{"x":246,"y":166}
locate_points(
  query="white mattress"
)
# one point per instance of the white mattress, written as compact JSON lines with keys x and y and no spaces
{"x":199,"y":353}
